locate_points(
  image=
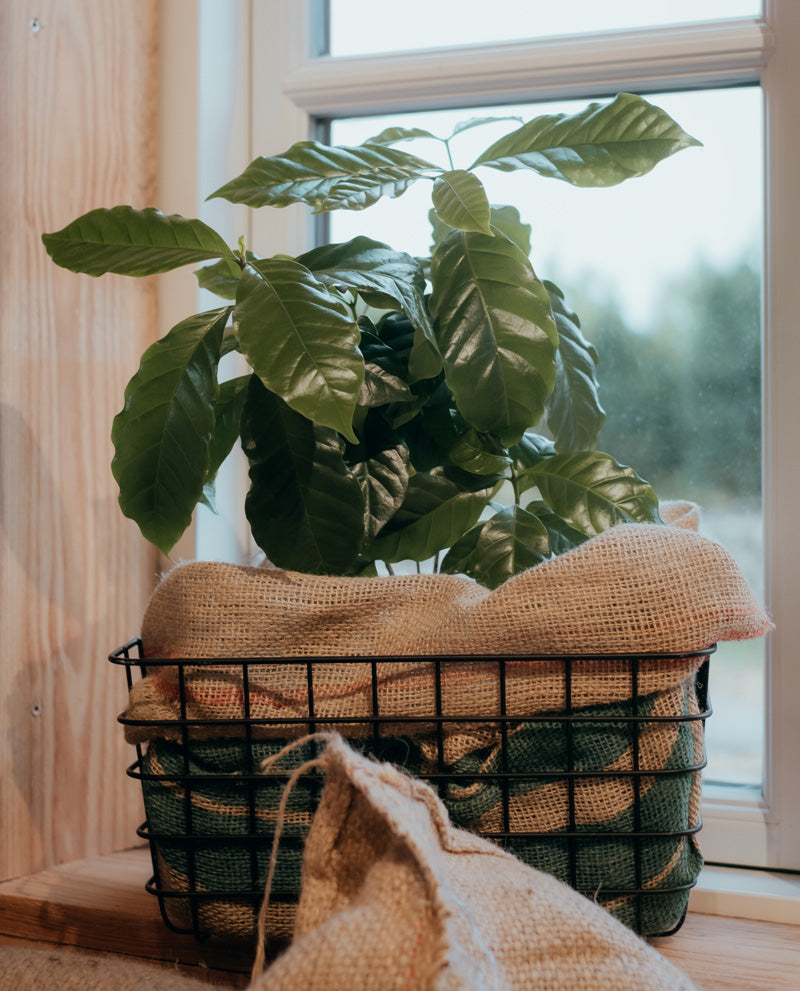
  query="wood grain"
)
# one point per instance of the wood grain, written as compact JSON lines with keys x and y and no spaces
{"x":722,"y":954}
{"x":102,"y":904}
{"x":77,"y":131}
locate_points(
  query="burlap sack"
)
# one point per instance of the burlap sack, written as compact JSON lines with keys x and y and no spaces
{"x":394,"y":896}
{"x":636,"y":588}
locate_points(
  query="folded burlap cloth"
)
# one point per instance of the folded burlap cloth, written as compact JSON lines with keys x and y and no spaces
{"x":636,"y":588}
{"x":394,"y":896}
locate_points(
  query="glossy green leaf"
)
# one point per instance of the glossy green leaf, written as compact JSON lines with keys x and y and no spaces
{"x":530,"y":450}
{"x":461,"y":202}
{"x":508,"y":220}
{"x":503,"y":218}
{"x":574,"y":413}
{"x":480,"y":454}
{"x":421,"y":358}
{"x":162,"y":436}
{"x":384,"y":482}
{"x":496,"y":333}
{"x":222,"y":277}
{"x":436,"y":511}
{"x":227,"y":425}
{"x":591,"y":492}
{"x":304,"y":506}
{"x":382,"y":387}
{"x":327,"y":178}
{"x":383,"y":277}
{"x":512,"y":541}
{"x":561,"y":535}
{"x":432,"y":434}
{"x":133,"y":242}
{"x":601,"y":145}
{"x":301,"y":340}
{"x":393,"y":135}
{"x":467,"y":125}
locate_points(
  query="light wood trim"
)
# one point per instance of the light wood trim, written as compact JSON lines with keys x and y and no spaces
{"x":77,"y":131}
{"x":722,"y":954}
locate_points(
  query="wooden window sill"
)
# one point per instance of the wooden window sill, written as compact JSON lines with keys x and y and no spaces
{"x":101,"y":904}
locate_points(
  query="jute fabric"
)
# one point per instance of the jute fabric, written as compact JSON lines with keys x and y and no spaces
{"x":605,"y":803}
{"x":394,"y":896}
{"x":635,"y":588}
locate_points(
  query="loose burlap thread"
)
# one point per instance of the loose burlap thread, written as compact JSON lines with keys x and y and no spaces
{"x":393,"y":895}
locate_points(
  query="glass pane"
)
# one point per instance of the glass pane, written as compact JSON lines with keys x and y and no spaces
{"x":664,"y":272}
{"x":356,"y":28}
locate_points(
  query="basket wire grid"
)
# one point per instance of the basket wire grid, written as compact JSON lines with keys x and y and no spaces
{"x":254,"y":841}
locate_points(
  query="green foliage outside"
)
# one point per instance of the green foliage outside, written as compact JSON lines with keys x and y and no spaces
{"x":683,"y":395}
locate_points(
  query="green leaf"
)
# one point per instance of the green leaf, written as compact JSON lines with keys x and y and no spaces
{"x":304,"y":506}
{"x":507,"y":220}
{"x":326,"y":178}
{"x":461,"y":202}
{"x":436,"y":511}
{"x":602,"y":145}
{"x":392,"y":135}
{"x":383,"y":277}
{"x":227,"y":424}
{"x":530,"y":450}
{"x":222,"y":277}
{"x":301,"y":341}
{"x":421,"y":357}
{"x":384,"y":481}
{"x":466,"y":125}
{"x":480,"y":454}
{"x":561,"y":535}
{"x":380,"y":388}
{"x":496,"y":333}
{"x":591,"y":492}
{"x":574,"y":413}
{"x":162,"y":436}
{"x":492,"y":552}
{"x":132,"y":242}
{"x":439,"y":229}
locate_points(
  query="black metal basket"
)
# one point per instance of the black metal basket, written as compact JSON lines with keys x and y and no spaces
{"x":210,"y":811}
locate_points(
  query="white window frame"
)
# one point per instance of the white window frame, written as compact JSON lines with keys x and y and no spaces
{"x":283,"y":87}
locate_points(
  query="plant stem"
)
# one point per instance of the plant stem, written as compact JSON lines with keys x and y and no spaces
{"x":514,"y":484}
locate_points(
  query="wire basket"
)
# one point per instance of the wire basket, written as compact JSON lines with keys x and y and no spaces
{"x":604,"y":796}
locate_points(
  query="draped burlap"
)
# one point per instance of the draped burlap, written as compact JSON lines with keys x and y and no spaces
{"x":394,"y":896}
{"x":636,"y":588}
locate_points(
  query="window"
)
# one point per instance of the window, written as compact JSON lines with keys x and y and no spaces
{"x":760,"y":52}
{"x":666,"y":280}
{"x":464,"y":22}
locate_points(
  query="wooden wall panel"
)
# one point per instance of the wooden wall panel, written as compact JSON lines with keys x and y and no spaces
{"x":78,"y":130}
